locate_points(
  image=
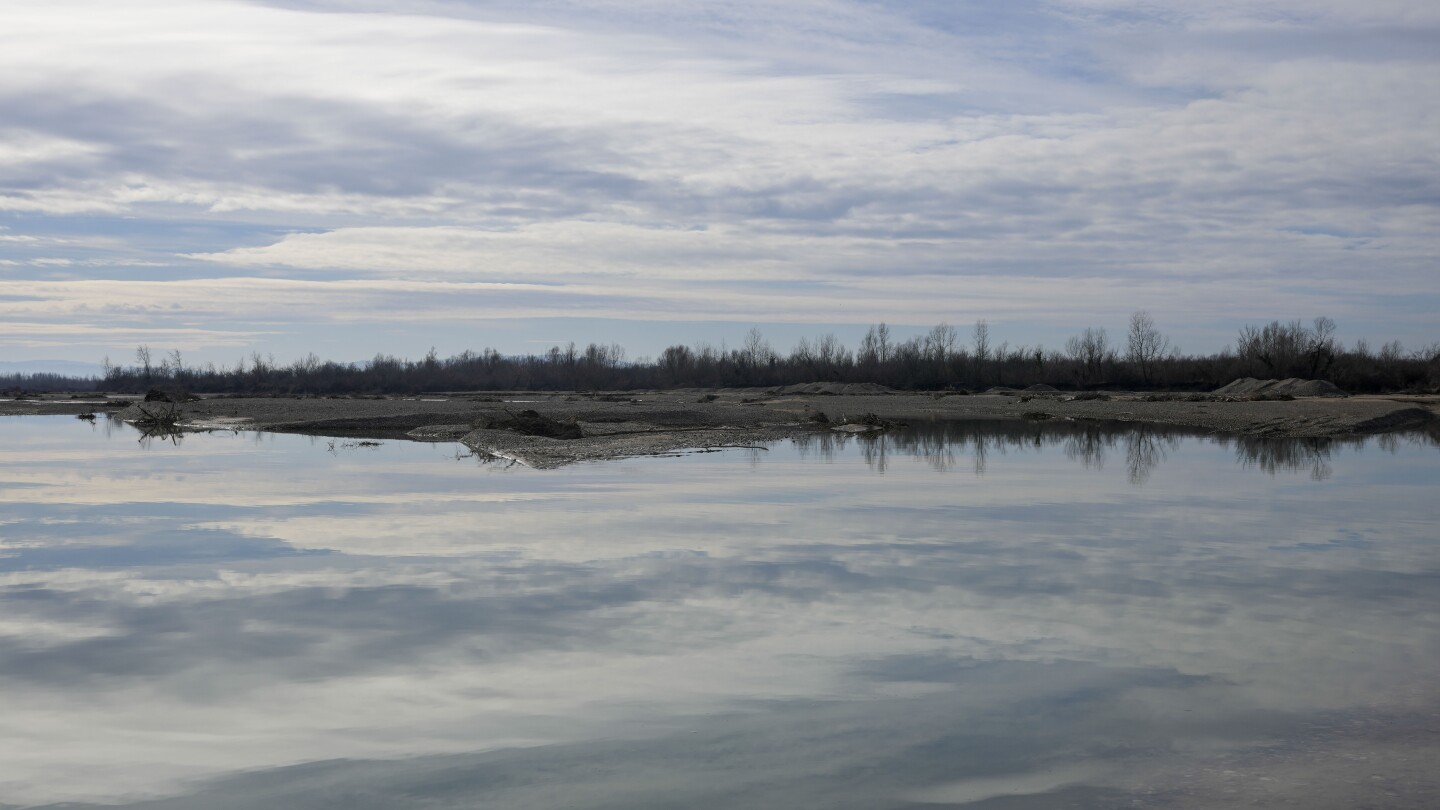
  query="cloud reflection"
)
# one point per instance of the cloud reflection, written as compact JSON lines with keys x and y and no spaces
{"x":712,"y":631}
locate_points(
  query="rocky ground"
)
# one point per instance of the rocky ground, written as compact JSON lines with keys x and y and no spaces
{"x":552,"y":429}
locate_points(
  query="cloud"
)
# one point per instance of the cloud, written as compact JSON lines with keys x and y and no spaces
{"x":672,"y":146}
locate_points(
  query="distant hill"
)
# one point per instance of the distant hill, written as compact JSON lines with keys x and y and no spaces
{"x":68,"y":368}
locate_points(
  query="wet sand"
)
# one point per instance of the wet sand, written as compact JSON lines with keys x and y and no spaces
{"x":617,"y":425}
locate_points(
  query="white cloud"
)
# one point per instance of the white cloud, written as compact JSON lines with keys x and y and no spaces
{"x":631,"y":152}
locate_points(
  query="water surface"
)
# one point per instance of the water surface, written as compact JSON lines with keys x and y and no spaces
{"x":986,"y":615}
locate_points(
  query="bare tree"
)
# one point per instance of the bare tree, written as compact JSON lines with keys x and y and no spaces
{"x":1320,"y":349}
{"x":1145,"y":345}
{"x":941,"y":341}
{"x":1289,"y":349}
{"x":830,"y":353}
{"x":259,"y":367}
{"x":1091,"y":351}
{"x":1392,"y":351}
{"x":676,"y":362}
{"x":757,"y":351}
{"x":1284,"y":348}
{"x":875,"y":347}
{"x":309,"y":365}
{"x":981,"y":343}
{"x":142,"y":356}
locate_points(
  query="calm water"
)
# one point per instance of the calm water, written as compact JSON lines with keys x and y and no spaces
{"x":1001,"y":616}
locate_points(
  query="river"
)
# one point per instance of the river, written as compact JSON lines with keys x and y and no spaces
{"x":984,"y":615}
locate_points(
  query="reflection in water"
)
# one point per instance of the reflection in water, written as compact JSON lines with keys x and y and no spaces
{"x":1293,"y":455}
{"x":1144,"y":449}
{"x":145,"y":435}
{"x":272,"y":621}
{"x":942,"y":444}
{"x":1313,"y":455}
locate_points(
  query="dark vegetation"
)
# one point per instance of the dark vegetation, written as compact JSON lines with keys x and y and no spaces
{"x":18,"y":385}
{"x":940,"y":360}
{"x":159,"y":417}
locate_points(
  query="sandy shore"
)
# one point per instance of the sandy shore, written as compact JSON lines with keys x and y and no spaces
{"x":616,"y":425}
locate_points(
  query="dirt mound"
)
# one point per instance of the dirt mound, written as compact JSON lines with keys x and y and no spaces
{"x":1316,"y":388}
{"x":1293,"y":386}
{"x":1042,"y":388}
{"x":533,"y":423}
{"x":1406,"y":419}
{"x":163,"y":395}
{"x":1243,"y":385}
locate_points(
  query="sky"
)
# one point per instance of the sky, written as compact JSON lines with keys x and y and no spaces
{"x":353,"y":177}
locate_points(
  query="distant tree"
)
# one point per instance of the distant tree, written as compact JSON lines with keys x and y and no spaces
{"x":309,"y":365}
{"x":757,"y":349}
{"x":940,"y":345}
{"x":802,"y":355}
{"x":1279,"y":349}
{"x":676,"y":362}
{"x":831,"y":357}
{"x":1392,"y":352}
{"x":1289,"y":349}
{"x":942,"y":340}
{"x":142,"y":356}
{"x":1091,"y":352}
{"x":980,"y":341}
{"x":260,"y":367}
{"x":1320,"y":350}
{"x":875,"y":347}
{"x":1145,"y":345}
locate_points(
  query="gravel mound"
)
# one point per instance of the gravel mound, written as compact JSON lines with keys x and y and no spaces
{"x":1316,"y":388}
{"x":534,"y":423}
{"x":841,"y":389}
{"x":1293,"y":386}
{"x":1042,"y":388}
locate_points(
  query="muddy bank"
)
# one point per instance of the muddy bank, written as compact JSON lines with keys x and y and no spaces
{"x":615,"y":425}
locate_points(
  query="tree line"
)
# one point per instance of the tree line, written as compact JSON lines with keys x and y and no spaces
{"x":943,"y":358}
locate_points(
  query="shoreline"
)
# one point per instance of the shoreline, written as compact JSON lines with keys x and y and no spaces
{"x":647,"y":423}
